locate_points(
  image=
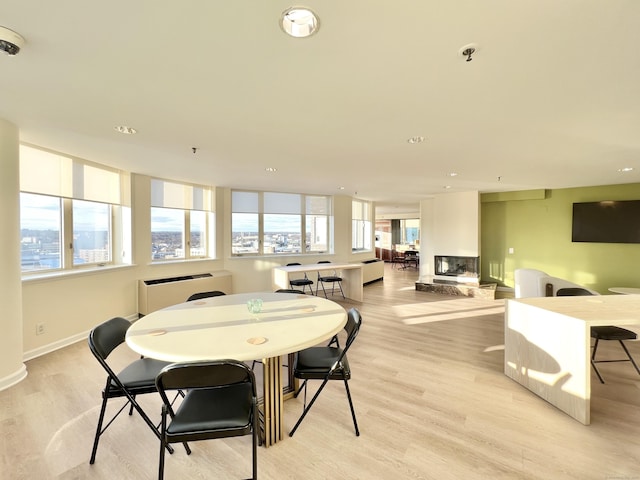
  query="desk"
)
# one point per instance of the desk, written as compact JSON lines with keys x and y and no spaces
{"x":222,"y":328}
{"x":625,"y":290}
{"x":547,"y":344}
{"x":351,"y":274}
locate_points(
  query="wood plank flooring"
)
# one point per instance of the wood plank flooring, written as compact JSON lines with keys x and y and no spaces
{"x":430,"y":397}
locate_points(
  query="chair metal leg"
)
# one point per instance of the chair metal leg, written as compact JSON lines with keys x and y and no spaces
{"x":593,"y":361}
{"x":353,"y":412}
{"x":630,"y":357}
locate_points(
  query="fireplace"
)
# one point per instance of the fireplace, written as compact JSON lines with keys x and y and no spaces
{"x":463,"y":269}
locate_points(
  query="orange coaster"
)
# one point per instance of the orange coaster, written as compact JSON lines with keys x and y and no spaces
{"x":155,"y":333}
{"x":256,"y":340}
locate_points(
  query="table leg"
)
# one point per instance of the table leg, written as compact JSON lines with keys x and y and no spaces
{"x":272,"y":400}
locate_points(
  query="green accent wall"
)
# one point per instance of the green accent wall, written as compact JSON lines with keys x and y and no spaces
{"x":538,"y":228}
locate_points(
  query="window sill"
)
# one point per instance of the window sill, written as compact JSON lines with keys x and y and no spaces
{"x":60,"y":274}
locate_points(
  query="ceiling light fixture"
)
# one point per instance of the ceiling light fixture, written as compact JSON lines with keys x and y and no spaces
{"x":125,"y":130}
{"x":271,"y":169}
{"x":625,"y":169}
{"x":299,"y":22}
{"x":452,"y":174}
{"x":10,"y":41}
{"x":417,"y":139}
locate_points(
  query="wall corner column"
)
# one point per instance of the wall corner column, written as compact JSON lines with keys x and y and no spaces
{"x":12,"y":368}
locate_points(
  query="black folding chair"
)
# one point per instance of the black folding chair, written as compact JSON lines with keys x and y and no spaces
{"x":201,"y":295}
{"x":221,"y":402}
{"x":327,"y":363}
{"x":135,"y":379}
{"x":604,"y":332}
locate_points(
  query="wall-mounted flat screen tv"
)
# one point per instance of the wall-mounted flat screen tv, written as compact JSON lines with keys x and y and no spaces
{"x":606,"y":222}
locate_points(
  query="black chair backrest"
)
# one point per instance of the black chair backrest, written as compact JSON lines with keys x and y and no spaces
{"x":352,"y":327}
{"x":203,"y":374}
{"x":572,"y":292}
{"x":292,"y":264}
{"x":200,"y":295}
{"x":104,"y":338}
{"x":289,"y":290}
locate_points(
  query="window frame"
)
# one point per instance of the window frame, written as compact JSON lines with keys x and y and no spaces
{"x":186,"y":198}
{"x":77,"y":179}
{"x":305,"y":208}
{"x":361,"y":226}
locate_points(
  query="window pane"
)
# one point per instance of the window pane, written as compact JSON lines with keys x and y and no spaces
{"x":317,"y":233}
{"x":244,"y":231}
{"x":198,"y":234}
{"x":282,"y":233}
{"x":40,"y":227}
{"x":91,"y":232}
{"x":167,"y":233}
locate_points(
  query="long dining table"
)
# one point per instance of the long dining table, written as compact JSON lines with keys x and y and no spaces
{"x":224,"y":328}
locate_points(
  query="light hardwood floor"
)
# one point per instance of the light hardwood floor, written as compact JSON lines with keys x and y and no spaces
{"x":429,"y":392}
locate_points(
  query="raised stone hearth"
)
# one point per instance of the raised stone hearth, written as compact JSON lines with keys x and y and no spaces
{"x":483,"y":290}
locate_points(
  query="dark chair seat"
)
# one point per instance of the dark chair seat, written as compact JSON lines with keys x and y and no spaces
{"x":612,"y":333}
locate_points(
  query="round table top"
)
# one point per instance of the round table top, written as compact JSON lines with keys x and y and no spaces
{"x":625,"y":290}
{"x":223,"y":328}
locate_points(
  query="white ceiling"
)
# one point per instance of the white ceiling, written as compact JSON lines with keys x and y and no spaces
{"x":549,"y":100}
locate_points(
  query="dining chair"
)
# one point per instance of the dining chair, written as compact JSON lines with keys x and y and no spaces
{"x":289,"y":290}
{"x":606,"y":332}
{"x":135,"y":379}
{"x":300,"y":282}
{"x":201,"y":295}
{"x":221,"y":402}
{"x":332,"y":278}
{"x":327,"y":363}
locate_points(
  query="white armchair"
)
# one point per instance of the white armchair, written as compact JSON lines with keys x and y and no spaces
{"x":536,"y":283}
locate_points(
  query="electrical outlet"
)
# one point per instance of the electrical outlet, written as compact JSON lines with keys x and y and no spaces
{"x":39,"y":328}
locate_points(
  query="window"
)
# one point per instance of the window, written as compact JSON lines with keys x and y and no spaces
{"x":182,"y":221}
{"x":272,"y":223}
{"x":360,"y":225}
{"x":73,"y":213}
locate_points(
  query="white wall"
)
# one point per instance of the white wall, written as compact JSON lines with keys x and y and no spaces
{"x":12,"y":369}
{"x":449,"y":225}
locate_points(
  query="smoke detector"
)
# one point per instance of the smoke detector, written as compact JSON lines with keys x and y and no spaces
{"x":10,"y":41}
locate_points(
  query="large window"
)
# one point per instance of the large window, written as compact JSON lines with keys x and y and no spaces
{"x":360,"y":225}
{"x":73,"y":213}
{"x":270,"y":223}
{"x":182,"y":221}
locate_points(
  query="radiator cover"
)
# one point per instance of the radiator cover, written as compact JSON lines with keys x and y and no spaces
{"x":157,"y":293}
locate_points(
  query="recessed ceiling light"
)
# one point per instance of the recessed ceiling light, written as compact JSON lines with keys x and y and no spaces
{"x":271,"y":169}
{"x":340,"y":188}
{"x":452,"y":174}
{"x":299,"y":22}
{"x":418,"y":139}
{"x":126,"y":130}
{"x":447,"y":187}
{"x":625,"y":169}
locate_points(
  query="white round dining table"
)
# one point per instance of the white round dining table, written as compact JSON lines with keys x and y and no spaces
{"x":223,"y":328}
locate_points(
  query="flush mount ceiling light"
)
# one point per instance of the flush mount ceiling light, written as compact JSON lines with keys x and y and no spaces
{"x":418,"y":139}
{"x":271,"y":169}
{"x":299,"y":22}
{"x":126,"y":130}
{"x":625,"y":169}
{"x":10,"y":41}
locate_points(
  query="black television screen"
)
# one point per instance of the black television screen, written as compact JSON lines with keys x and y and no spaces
{"x":606,"y":222}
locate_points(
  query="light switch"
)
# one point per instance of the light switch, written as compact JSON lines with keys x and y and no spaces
{"x":511,"y":250}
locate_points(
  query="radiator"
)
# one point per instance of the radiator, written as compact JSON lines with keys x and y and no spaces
{"x":157,"y":293}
